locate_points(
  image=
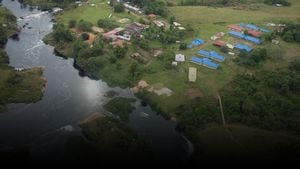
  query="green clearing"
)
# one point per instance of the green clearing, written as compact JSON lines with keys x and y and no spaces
{"x":93,"y":13}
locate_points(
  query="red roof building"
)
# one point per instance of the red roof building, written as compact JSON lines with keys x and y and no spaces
{"x":219,"y":43}
{"x":235,"y":28}
{"x":254,"y":33}
{"x":152,"y":16}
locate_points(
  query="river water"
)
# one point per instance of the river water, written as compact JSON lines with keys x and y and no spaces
{"x":68,"y":98}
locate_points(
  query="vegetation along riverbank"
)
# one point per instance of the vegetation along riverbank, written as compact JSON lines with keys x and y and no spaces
{"x":17,"y":85}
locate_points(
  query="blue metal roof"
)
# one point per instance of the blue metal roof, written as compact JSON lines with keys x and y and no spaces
{"x":197,"y":60}
{"x":253,"y":27}
{"x":243,"y":47}
{"x":215,"y":55}
{"x":203,"y":52}
{"x":265,"y":30}
{"x":242,"y":36}
{"x":212,"y":54}
{"x":253,"y":39}
{"x":236,"y":34}
{"x":210,"y":63}
{"x":242,"y":24}
{"x":205,"y":62}
{"x":198,"y":42}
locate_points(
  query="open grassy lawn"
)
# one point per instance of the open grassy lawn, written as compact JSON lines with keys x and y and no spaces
{"x":244,"y":143}
{"x":101,"y":10}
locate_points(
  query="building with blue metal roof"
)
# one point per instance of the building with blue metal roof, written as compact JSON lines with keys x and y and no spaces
{"x":203,"y":53}
{"x":216,"y":56}
{"x":253,"y":39}
{"x":198,"y":42}
{"x":237,"y":34}
{"x":243,"y":36}
{"x":264,"y":30}
{"x":253,"y":27}
{"x":212,"y":54}
{"x":243,"y":47}
{"x":242,"y":24}
{"x":205,"y":62}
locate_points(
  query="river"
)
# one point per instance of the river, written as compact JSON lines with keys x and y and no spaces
{"x":68,"y":98}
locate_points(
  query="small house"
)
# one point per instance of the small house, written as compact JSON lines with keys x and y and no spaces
{"x":235,"y":28}
{"x":176,"y":24}
{"x":219,"y":43}
{"x":179,"y":58}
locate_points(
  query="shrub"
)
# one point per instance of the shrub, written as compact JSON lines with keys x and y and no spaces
{"x":72,"y":23}
{"x":84,"y":25}
{"x":118,"y":8}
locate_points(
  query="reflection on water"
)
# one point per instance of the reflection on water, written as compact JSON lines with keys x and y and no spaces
{"x":68,"y":97}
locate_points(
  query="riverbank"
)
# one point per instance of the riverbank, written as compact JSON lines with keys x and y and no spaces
{"x":17,"y":85}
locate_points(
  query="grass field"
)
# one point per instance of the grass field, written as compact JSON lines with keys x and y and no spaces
{"x":93,"y":13}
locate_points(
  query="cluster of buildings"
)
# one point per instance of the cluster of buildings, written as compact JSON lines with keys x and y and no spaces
{"x":248,"y":32}
{"x":132,"y":8}
{"x":212,"y":59}
{"x":134,"y":29}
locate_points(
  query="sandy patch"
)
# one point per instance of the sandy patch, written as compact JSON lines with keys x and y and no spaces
{"x":97,"y":29}
{"x":157,"y":88}
{"x":92,"y":38}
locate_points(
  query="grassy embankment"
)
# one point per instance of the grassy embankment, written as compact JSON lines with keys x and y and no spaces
{"x":16,"y":86}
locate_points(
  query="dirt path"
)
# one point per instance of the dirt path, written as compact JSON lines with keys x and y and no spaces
{"x":221,"y":108}
{"x":226,"y":127}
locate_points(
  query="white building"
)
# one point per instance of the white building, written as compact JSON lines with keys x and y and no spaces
{"x":192,"y":74}
{"x":176,"y":24}
{"x":179,"y":58}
